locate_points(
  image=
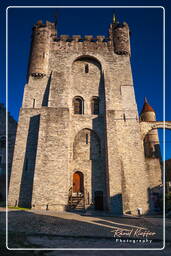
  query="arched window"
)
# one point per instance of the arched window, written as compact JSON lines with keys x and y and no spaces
{"x":86,"y":145}
{"x":78,"y":103}
{"x":95,"y":106}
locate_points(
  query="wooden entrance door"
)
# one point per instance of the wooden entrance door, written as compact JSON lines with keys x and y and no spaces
{"x":77,"y":182}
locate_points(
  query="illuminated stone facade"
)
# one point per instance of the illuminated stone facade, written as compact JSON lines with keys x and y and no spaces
{"x":79,"y":139}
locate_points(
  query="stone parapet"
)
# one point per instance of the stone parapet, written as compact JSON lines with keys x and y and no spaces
{"x":78,"y":38}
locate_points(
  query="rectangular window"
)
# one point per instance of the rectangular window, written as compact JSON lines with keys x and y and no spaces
{"x":95,"y":106}
{"x":86,"y":68}
{"x":34,"y":101}
{"x":96,"y":109}
{"x":76,"y":108}
{"x":86,"y":138}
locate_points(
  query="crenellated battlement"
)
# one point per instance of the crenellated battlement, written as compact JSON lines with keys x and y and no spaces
{"x":49,"y":25}
{"x":78,"y":38}
{"x":76,"y":43}
{"x":45,"y":38}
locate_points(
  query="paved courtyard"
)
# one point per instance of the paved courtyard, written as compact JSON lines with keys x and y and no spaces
{"x":44,"y":229}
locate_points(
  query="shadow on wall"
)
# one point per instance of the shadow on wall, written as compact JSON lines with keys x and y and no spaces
{"x":99,"y":194}
{"x":99,"y":204}
{"x":47,"y":91}
{"x":155,"y":200}
{"x":117,"y":204}
{"x":26,"y":187}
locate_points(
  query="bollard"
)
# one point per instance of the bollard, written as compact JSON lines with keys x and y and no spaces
{"x":139,"y":210}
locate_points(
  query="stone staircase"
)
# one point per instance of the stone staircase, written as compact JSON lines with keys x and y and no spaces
{"x":76,"y":202}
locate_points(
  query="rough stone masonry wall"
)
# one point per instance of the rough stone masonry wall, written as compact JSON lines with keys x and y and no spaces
{"x":70,"y":81}
{"x":88,"y":85}
{"x":45,"y":180}
{"x":124,"y":142}
{"x":134,"y":171}
{"x":39,"y":54}
{"x":19,"y":157}
{"x":35,"y":92}
{"x":119,"y":99}
{"x":51,"y":176}
{"x":154,"y":171}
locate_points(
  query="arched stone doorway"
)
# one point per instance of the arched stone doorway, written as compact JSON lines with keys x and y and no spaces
{"x":86,"y":145}
{"x":78,"y":182}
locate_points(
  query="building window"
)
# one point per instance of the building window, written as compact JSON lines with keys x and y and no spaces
{"x":95,"y":106}
{"x":78,"y":103}
{"x":86,"y":138}
{"x":2,"y":142}
{"x":86,"y":68}
{"x":34,"y":102}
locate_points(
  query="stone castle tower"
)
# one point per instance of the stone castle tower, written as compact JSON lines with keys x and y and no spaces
{"x":79,"y":141}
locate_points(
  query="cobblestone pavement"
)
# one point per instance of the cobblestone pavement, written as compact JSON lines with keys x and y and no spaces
{"x":40,"y":229}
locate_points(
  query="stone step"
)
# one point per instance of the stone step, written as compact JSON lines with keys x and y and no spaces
{"x":76,"y":200}
{"x":76,"y":203}
{"x":78,"y":197}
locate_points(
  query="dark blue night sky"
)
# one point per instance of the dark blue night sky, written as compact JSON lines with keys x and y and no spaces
{"x":146,"y":25}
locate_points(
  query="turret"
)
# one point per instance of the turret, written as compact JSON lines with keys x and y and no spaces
{"x":121,"y":37}
{"x":147,"y":113}
{"x":151,"y":141}
{"x":40,"y":45}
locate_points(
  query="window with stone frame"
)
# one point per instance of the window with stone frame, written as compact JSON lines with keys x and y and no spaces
{"x":78,"y":103}
{"x":95,"y":106}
